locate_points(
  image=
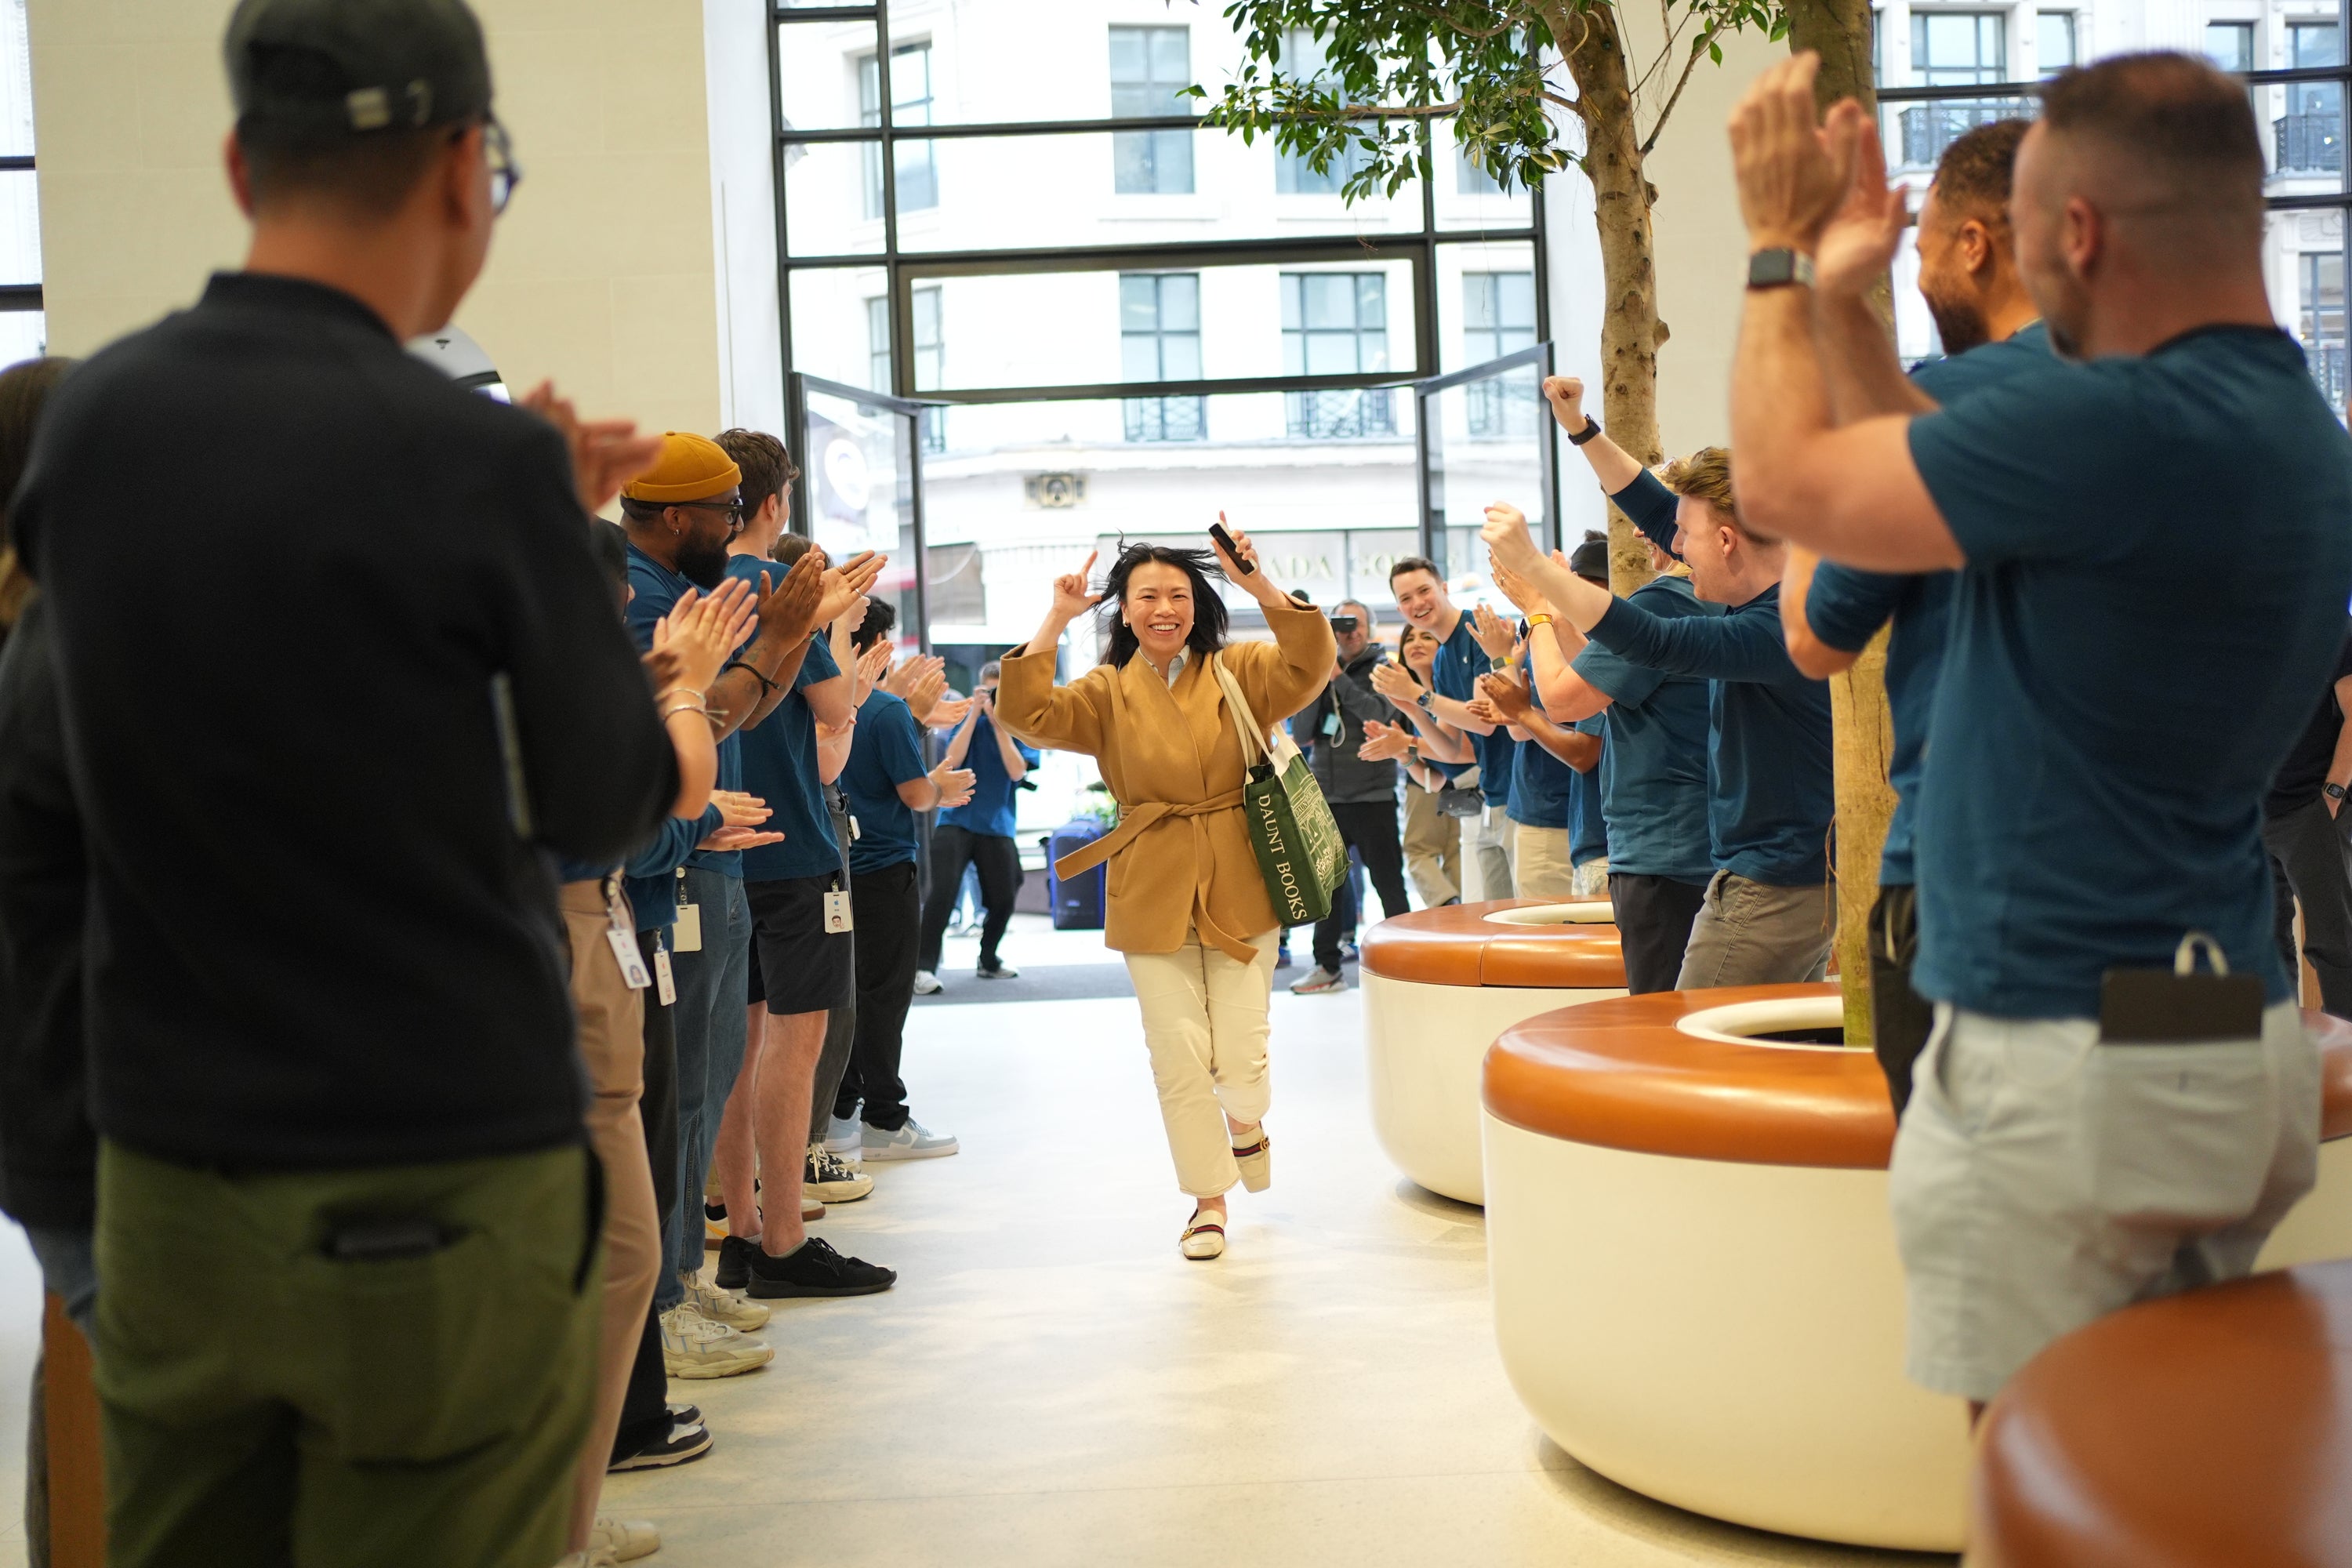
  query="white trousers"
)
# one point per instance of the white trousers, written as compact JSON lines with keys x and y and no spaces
{"x":1204,"y":1022}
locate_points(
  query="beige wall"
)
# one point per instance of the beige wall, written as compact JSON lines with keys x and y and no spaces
{"x":602,"y":275}
{"x":1702,"y":248}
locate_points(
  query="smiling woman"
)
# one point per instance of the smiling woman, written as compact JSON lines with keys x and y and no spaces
{"x":1186,"y":902}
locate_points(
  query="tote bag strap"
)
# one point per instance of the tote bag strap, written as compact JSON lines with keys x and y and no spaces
{"x":1253,"y":739}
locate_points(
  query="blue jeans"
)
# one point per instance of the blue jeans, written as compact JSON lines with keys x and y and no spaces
{"x":713,"y":986}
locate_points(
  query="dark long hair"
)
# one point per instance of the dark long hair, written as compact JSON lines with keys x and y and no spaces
{"x":1208,"y":633}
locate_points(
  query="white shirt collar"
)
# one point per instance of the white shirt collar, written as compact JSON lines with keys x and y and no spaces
{"x":1176,"y":664}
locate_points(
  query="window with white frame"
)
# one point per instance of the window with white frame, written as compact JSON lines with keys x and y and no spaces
{"x":910,"y":104}
{"x":2310,"y":139}
{"x":1499,"y":317}
{"x":1337,"y":323}
{"x":1303,"y":58}
{"x":1957,"y":49}
{"x":1148,"y":67}
{"x":2231,"y":45}
{"x":1160,"y":339}
{"x":2054,"y":42}
{"x":924,"y":355}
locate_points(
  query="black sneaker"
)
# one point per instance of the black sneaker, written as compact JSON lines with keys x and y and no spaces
{"x":816,"y":1269}
{"x":735,"y":1256}
{"x":684,"y":1441}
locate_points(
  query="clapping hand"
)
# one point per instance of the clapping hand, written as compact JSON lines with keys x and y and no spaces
{"x":1503,"y":699}
{"x":1792,"y":171}
{"x":701,"y":630}
{"x":1522,"y":593}
{"x":1396,"y":684}
{"x":846,"y":583}
{"x":788,"y":608}
{"x":1492,"y":632}
{"x":872,"y":666}
{"x":954,"y":784}
{"x":950,"y":712}
{"x":1507,"y":539}
{"x":740,"y":816}
{"x":900,"y":682}
{"x":606,"y":453}
{"x":1859,"y":243}
{"x":1385,"y":743}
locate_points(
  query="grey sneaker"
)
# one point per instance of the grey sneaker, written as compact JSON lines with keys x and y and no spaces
{"x":833,"y":1179}
{"x":1321,"y":982}
{"x":927,"y":984}
{"x":912,"y":1141}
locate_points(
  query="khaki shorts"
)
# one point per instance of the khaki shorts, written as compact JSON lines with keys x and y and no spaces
{"x":2041,"y":1179}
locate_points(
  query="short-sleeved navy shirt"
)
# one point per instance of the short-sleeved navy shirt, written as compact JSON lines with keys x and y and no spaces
{"x":990,"y":811}
{"x":2157,"y":567}
{"x":1846,"y":606}
{"x":654,"y":591}
{"x":1587,"y":826}
{"x":886,"y":753}
{"x":780,"y":767}
{"x":1454,"y":673}
{"x":1543,"y":788}
{"x":1653,"y":776}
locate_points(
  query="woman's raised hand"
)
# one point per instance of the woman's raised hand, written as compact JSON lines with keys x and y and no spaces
{"x":1255,"y":582}
{"x":1072,"y":595}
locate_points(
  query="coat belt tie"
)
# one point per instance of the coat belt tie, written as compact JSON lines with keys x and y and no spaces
{"x":1135,"y":822}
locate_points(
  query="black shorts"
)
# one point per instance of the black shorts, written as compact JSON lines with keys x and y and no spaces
{"x":801,"y":967}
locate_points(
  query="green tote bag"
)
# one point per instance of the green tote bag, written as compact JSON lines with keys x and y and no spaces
{"x":1299,"y":851}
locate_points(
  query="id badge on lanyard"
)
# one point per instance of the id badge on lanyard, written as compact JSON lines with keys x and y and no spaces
{"x":686,"y":936}
{"x":623,"y":937}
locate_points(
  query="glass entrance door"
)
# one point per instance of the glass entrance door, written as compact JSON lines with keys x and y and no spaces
{"x":861,"y":487}
{"x":1485,"y":436}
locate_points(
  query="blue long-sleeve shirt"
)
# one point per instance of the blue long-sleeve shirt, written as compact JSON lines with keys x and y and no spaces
{"x":1769,"y":799}
{"x":652,"y":872}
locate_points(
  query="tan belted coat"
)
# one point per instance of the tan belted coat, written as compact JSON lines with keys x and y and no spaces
{"x":1180,"y":855}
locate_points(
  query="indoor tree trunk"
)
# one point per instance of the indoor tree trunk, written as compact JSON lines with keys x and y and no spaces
{"x":1863,"y":729}
{"x":1630,"y":330}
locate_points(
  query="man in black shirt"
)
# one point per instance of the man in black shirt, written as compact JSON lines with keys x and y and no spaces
{"x":2303,"y":829}
{"x":338,"y":670}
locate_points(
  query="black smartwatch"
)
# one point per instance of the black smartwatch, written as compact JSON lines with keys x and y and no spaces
{"x":2332,"y":791}
{"x":1779,"y":268}
{"x":1591,"y":428}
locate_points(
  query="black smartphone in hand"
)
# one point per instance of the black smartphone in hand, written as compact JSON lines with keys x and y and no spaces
{"x":1225,"y":543}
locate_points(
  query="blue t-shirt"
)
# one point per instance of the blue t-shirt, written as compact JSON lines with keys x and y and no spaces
{"x":654,"y":593}
{"x":990,"y":811}
{"x":887,"y":752}
{"x":780,"y":767}
{"x":1587,"y":829}
{"x":1768,"y":724}
{"x":1653,"y":779}
{"x":1454,"y":673}
{"x":1543,"y":788}
{"x":1846,"y":606}
{"x":2158,"y":565}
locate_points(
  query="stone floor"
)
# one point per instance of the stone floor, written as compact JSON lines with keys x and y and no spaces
{"x":1050,"y":1383}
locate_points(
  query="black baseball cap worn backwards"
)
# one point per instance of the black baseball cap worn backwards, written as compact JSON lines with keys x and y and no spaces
{"x":356,"y":66}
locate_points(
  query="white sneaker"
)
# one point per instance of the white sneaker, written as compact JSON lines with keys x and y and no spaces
{"x":841,"y":1139}
{"x":693,"y":1346}
{"x":833,"y":1179}
{"x":626,"y":1539}
{"x":726,"y":1307}
{"x":912,"y":1141}
{"x":927,"y":984}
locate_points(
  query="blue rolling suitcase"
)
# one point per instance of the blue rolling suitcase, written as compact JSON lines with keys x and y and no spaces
{"x":1077,"y":904}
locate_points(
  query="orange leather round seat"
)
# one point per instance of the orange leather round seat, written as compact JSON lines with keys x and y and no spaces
{"x":1620,"y":1074}
{"x":1458,"y":945}
{"x":2210,"y":1427}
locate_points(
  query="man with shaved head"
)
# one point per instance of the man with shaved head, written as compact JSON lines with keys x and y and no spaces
{"x":2148,"y":534}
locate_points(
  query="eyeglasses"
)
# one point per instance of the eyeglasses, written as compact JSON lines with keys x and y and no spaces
{"x":1344,"y":622}
{"x":733,"y":509}
{"x":505,"y":173}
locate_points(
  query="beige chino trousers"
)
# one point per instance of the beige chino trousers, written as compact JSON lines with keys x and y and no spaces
{"x":613,"y":1045}
{"x":1204,"y":1023}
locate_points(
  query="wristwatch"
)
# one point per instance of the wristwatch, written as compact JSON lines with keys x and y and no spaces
{"x":1499,"y":666}
{"x":1537,"y":620}
{"x":2332,"y":791}
{"x":1591,"y":428}
{"x":1780,"y":267}
{"x":1425,"y":702}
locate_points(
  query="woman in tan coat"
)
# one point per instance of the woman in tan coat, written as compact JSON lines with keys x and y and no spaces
{"x":1187,"y":905}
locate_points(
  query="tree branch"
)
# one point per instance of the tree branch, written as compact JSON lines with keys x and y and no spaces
{"x":1688,"y":65}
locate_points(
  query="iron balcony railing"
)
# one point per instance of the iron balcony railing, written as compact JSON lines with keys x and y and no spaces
{"x":1930,"y":127}
{"x":2309,"y":144}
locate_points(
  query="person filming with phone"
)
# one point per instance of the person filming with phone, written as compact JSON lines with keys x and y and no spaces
{"x":1186,"y":903}
{"x":1361,"y":791}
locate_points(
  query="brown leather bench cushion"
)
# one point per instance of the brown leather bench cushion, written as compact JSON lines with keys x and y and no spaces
{"x":2204,"y":1429}
{"x":1620,"y":1074}
{"x":1458,"y":945}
